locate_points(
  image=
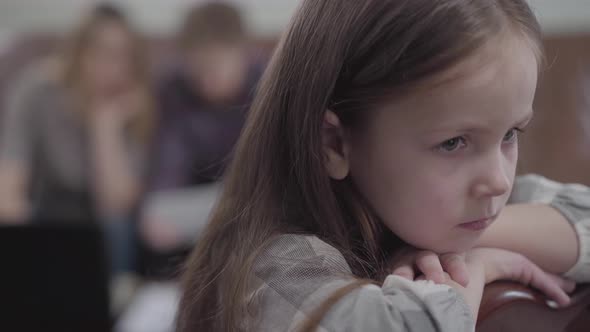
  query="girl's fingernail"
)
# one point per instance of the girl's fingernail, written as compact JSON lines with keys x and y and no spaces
{"x":552,"y":304}
{"x":555,"y":305}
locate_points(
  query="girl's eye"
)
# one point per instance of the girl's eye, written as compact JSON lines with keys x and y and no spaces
{"x":512,"y":135}
{"x":452,"y":144}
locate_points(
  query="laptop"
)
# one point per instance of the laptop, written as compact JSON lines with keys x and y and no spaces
{"x":53,"y":277}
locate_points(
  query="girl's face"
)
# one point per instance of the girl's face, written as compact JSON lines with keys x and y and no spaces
{"x":438,"y":165}
{"x":107,"y":62}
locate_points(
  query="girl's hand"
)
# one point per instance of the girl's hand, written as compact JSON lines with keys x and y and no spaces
{"x":499,"y":264}
{"x":411,"y":263}
{"x":493,"y":264}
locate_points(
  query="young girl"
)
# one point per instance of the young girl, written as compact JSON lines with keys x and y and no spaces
{"x":379,"y":121}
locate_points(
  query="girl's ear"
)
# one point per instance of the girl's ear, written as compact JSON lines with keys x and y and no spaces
{"x":335,"y":146}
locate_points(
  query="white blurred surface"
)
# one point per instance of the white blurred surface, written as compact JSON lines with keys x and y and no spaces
{"x":152,"y":310}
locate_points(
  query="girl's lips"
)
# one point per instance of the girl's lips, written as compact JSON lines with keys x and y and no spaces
{"x":478,"y":225}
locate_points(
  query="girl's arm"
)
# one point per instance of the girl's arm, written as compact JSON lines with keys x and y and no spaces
{"x":538,"y":231}
{"x":549,"y":224}
{"x":402,"y":304}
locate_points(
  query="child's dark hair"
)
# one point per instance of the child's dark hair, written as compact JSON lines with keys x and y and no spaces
{"x":347,"y":56}
{"x":214,"y":22}
{"x":108,"y":10}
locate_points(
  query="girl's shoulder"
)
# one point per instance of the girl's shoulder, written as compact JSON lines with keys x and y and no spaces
{"x":290,"y":275}
{"x":302,"y":251}
{"x":296,"y":275}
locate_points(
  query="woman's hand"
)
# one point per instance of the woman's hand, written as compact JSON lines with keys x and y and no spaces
{"x":116,"y":111}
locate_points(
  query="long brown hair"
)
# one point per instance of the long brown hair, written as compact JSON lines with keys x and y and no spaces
{"x":346,"y":56}
{"x":78,"y":43}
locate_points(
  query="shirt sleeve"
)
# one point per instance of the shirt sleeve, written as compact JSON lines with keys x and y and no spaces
{"x":298,"y":275}
{"x":401,"y":305}
{"x":572,"y":201}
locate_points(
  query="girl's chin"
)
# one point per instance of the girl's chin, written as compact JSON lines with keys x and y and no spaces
{"x":453,"y":246}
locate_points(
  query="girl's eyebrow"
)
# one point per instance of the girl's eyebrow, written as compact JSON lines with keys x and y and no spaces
{"x":473,"y":128}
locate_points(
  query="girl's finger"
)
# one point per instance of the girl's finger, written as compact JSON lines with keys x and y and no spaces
{"x":567,"y":285}
{"x":403,"y":264}
{"x":455,"y":266}
{"x":428,"y":263}
{"x":404,"y":271}
{"x":545,"y":283}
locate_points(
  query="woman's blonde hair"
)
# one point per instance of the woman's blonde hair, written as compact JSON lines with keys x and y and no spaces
{"x":142,"y":124}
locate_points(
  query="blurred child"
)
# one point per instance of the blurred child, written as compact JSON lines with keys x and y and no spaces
{"x":202,"y":108}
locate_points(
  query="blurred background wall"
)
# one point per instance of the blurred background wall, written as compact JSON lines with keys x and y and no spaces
{"x":265,"y":17}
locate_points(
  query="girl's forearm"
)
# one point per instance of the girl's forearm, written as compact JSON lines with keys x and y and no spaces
{"x":472,"y":294}
{"x":537,"y":231}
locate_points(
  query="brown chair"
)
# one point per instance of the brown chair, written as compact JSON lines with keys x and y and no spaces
{"x":510,"y":307}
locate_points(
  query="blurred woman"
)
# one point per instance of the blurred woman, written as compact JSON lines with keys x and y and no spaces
{"x":76,"y":130}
